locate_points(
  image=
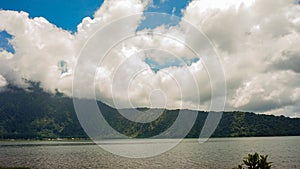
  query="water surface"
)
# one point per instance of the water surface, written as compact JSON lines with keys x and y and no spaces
{"x":284,"y":152}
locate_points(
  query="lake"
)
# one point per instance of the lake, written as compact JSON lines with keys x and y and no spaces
{"x":284,"y":152}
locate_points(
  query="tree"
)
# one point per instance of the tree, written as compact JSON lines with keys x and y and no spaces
{"x":255,"y":161}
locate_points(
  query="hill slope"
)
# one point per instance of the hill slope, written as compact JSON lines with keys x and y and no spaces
{"x":37,"y":114}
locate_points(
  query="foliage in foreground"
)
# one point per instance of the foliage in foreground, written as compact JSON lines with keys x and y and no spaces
{"x":255,"y":161}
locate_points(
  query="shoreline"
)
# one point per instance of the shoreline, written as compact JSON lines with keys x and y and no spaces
{"x":88,"y":139}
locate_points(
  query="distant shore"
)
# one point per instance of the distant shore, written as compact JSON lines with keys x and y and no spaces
{"x":88,"y":139}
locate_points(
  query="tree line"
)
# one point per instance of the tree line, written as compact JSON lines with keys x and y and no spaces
{"x":35,"y":114}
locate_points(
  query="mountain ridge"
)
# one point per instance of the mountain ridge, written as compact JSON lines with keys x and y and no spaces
{"x":36,"y":114}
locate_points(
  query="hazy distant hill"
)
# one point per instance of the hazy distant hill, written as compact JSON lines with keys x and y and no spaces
{"x":37,"y":114}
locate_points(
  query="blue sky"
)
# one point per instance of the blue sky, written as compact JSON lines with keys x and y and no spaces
{"x":67,"y":14}
{"x":167,"y":6}
{"x":4,"y":42}
{"x":171,"y":7}
{"x":172,"y":61}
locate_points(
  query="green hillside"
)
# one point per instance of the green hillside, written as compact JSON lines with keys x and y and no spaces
{"x":35,"y":114}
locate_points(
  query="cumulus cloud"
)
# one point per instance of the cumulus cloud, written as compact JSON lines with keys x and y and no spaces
{"x":257,"y":42}
{"x":3,"y":81}
{"x":41,"y":47}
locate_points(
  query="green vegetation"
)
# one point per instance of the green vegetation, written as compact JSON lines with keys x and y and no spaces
{"x":35,"y":114}
{"x":14,"y":168}
{"x":255,"y":161}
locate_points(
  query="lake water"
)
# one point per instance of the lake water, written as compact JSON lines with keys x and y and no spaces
{"x":284,"y":152}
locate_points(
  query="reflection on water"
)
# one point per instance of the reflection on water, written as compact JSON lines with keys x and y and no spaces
{"x":284,"y":152}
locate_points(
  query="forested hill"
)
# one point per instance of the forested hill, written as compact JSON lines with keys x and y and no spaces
{"x":36,"y":114}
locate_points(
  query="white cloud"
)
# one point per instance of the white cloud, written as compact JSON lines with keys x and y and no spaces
{"x":40,"y":46}
{"x":3,"y":81}
{"x":257,"y":42}
{"x":258,"y":45}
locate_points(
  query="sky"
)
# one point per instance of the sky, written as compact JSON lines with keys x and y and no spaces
{"x":64,"y":14}
{"x":256,"y":42}
{"x":4,"y":42}
{"x":68,"y":14}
